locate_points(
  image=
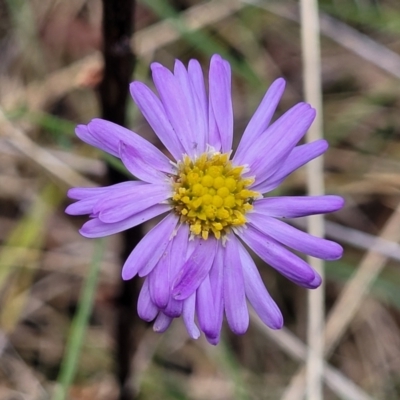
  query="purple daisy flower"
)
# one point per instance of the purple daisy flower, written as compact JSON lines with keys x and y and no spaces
{"x":194,"y":261}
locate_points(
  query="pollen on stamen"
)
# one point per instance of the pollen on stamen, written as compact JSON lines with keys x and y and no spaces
{"x":211,"y":195}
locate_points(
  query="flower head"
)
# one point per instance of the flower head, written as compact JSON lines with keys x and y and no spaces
{"x":194,"y":260}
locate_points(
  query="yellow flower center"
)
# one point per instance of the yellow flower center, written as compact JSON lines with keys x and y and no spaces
{"x":211,"y":195}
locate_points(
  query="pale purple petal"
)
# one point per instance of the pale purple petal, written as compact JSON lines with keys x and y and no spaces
{"x":109,"y":135}
{"x":122,"y":204}
{"x":272,"y":148}
{"x":148,"y":251}
{"x":188,"y":316}
{"x":205,"y":309}
{"x":176,"y":106}
{"x":162,"y":323}
{"x":82,"y":207}
{"x":88,"y":197}
{"x":154,"y":112}
{"x":146,"y":308}
{"x":195,"y":269}
{"x":80,"y":193}
{"x":236,"y":310}
{"x":298,"y":157}
{"x":196,"y":119}
{"x":256,"y":292}
{"x":263,"y":115}
{"x":197,"y":81}
{"x":159,"y":280}
{"x":217,"y":287}
{"x":139,"y":166}
{"x":95,"y":228}
{"x":177,"y":258}
{"x":283,"y":140}
{"x":294,"y":238}
{"x":221,"y":100}
{"x":297,"y":206}
{"x":214,"y":139}
{"x":274,"y":254}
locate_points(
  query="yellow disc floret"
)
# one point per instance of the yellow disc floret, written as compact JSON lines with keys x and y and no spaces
{"x":211,"y":195}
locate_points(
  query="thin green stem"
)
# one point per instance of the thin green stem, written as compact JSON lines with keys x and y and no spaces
{"x":79,"y":324}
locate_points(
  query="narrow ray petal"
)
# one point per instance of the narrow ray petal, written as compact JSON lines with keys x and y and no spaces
{"x":193,"y":115}
{"x":146,"y":254}
{"x":197,"y":81}
{"x":95,"y":228}
{"x":298,"y":157}
{"x":122,"y":204}
{"x":263,"y":115}
{"x":110,"y":135}
{"x":205,"y":308}
{"x":139,"y":166}
{"x":298,"y":206}
{"x":221,"y":100}
{"x":284,"y":136}
{"x":162,"y":323}
{"x":159,"y":281}
{"x":195,"y":269}
{"x":217,"y":287}
{"x":145,"y":307}
{"x":89,"y":197}
{"x":188,"y":316}
{"x":80,"y":193}
{"x":236,"y":310}
{"x":274,"y":254}
{"x":175,"y":104}
{"x":256,"y":292}
{"x":296,"y":239}
{"x":154,"y":112}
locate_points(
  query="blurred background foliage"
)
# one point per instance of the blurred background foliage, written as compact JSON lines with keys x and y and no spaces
{"x":49,"y":74}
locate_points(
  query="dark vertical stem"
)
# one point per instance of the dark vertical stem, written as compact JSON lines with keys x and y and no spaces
{"x":118,"y":69}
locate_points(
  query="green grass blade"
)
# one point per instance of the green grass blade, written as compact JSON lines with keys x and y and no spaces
{"x":79,"y":324}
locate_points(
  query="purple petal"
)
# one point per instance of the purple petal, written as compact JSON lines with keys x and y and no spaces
{"x":138,"y":165}
{"x":174,"y":308}
{"x":195,"y":269}
{"x":148,"y":251}
{"x":122,"y":204}
{"x":297,"y":206}
{"x":80,"y":193}
{"x":214,"y":139}
{"x":205,"y":309}
{"x":146,"y":308}
{"x":82,"y":207}
{"x":298,"y":157}
{"x":213,"y":340}
{"x":236,"y":310}
{"x":274,"y":254}
{"x":176,"y":106}
{"x":260,"y":299}
{"x":178,"y":254}
{"x":263,"y":115}
{"x":197,"y":80}
{"x":159,"y":281}
{"x":188,"y":316}
{"x":196,"y":117}
{"x":108,"y":136}
{"x":217,"y":288}
{"x":90,"y":196}
{"x":294,"y":238}
{"x":96,"y":228}
{"x":221,"y":100}
{"x":271,"y":149}
{"x":162,"y":323}
{"x":154,"y":112}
